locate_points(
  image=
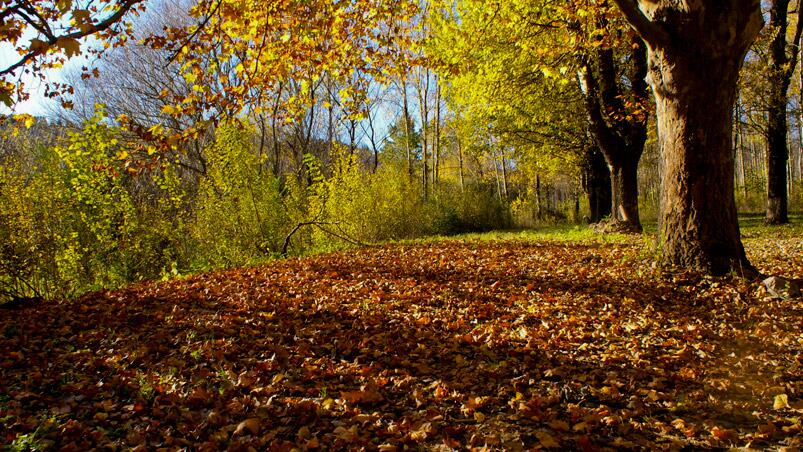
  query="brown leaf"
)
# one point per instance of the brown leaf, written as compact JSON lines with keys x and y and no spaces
{"x":251,"y":426}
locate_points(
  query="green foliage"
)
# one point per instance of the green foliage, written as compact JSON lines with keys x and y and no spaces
{"x":28,"y":205}
{"x":352,"y":205}
{"x":240,"y":217}
{"x":99,"y":210}
{"x":70,"y":222}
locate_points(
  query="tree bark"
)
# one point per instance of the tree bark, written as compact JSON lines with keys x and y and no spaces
{"x":624,"y":185}
{"x":407,"y":128}
{"x":781,"y":67}
{"x":597,"y":185}
{"x":423,"y":106}
{"x":695,"y":52}
{"x":437,"y":150}
{"x":620,"y":134}
{"x":460,"y":164}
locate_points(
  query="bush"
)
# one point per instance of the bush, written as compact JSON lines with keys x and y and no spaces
{"x":240,"y":217}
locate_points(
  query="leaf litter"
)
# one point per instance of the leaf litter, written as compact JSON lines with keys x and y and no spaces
{"x":449,"y":345}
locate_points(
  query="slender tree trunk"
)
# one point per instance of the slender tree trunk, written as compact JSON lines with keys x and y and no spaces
{"x":407,"y":129}
{"x":539,"y":208}
{"x":460,"y":164}
{"x":504,"y":173}
{"x":738,"y":146}
{"x":498,"y":181}
{"x":275,"y":134}
{"x":781,"y":67}
{"x":800,"y":127}
{"x":436,"y":169}
{"x":330,"y":119}
{"x":423,"y":104}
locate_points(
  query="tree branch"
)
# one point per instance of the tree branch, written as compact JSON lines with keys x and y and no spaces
{"x":647,"y":29}
{"x":603,"y":135}
{"x":95,"y":28}
{"x":795,"y":45}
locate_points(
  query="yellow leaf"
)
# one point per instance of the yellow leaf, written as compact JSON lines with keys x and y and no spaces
{"x":781,"y":402}
{"x":63,"y":5}
{"x":25,"y":119}
{"x":5,"y":97}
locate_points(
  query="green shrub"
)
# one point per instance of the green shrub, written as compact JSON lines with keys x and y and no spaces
{"x":240,"y":217}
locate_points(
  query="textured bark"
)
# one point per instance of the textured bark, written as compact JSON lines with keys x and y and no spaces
{"x":624,"y":184}
{"x":620,"y":135}
{"x":597,"y":185}
{"x":695,"y":52}
{"x":777,"y":162}
{"x":781,"y":67}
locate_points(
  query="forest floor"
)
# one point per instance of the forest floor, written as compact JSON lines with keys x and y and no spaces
{"x":509,"y":341}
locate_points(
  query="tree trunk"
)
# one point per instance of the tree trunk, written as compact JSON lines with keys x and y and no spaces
{"x":738,"y":146}
{"x":504,"y":174}
{"x":460,"y":165}
{"x":423,"y":106}
{"x":781,"y":67}
{"x":436,"y":171}
{"x":539,"y":208}
{"x":620,"y":134}
{"x":699,"y":227}
{"x":695,"y":52}
{"x":777,"y":161}
{"x":407,"y":129}
{"x":597,"y":185}
{"x":624,"y":190}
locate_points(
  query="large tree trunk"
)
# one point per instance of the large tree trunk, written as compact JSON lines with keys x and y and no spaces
{"x":695,"y":52}
{"x":699,"y":227}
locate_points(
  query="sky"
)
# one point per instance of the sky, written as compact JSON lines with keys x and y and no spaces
{"x":38,"y":104}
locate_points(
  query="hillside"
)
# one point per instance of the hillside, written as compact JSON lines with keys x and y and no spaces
{"x":509,"y":344}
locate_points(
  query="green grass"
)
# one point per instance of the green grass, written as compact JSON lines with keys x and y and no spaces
{"x":751,"y":224}
{"x":554,"y":233}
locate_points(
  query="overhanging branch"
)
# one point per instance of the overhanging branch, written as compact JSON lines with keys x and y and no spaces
{"x":87,"y":31}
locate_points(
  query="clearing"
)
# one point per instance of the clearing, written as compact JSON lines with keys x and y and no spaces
{"x":515,"y":342}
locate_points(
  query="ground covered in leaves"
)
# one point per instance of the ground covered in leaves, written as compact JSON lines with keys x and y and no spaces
{"x":444,"y":345}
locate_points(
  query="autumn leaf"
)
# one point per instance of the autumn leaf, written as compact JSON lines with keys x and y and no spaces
{"x":780,"y":402}
{"x":71,"y":47}
{"x":547,"y":440}
{"x":248,"y":426}
{"x":289,"y":353}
